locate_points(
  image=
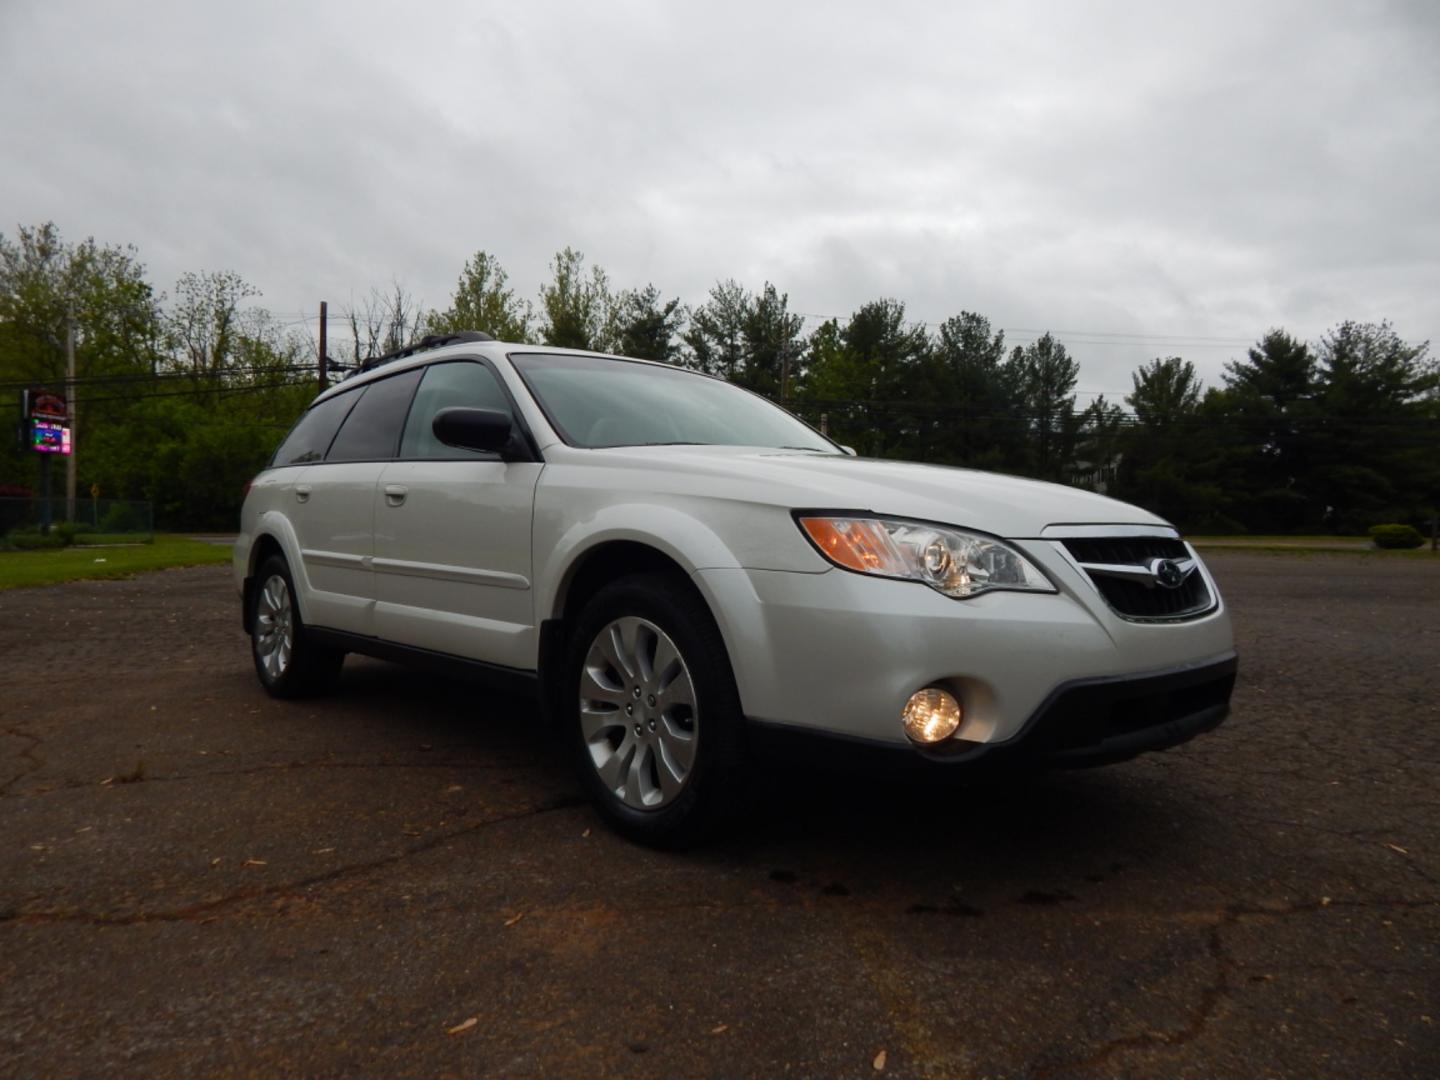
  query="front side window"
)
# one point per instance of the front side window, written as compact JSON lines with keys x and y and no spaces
{"x":462,"y":383}
{"x":310,"y":438}
{"x":598,"y":402}
{"x":372,"y":430}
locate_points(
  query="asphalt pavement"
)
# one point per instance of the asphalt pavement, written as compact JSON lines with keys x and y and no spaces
{"x":403,"y":879}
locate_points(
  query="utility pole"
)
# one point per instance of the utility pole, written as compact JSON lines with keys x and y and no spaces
{"x":70,"y":408}
{"x":324,"y":359}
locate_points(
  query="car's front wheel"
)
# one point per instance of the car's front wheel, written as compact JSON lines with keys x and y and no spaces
{"x":654,"y":715}
{"x":288,"y":661}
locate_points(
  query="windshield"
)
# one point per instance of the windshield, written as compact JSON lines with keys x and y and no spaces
{"x":595,"y":401}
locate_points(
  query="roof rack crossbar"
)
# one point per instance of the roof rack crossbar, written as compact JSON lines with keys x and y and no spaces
{"x":429,"y":341}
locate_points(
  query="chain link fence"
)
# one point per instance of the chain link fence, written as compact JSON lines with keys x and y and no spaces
{"x":55,"y":522}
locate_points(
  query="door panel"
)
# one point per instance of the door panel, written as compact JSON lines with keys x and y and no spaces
{"x":452,"y":558}
{"x":333,"y":511}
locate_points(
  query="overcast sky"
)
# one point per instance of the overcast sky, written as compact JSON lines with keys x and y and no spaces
{"x":1189,"y":174}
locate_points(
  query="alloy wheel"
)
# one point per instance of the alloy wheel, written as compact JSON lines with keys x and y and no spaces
{"x":638,"y":713}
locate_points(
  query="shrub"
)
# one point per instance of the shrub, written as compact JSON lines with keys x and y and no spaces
{"x":1396,"y":536}
{"x":123,"y":518}
{"x":35,"y":541}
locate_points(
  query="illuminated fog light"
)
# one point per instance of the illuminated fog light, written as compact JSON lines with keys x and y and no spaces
{"x":931,"y":716}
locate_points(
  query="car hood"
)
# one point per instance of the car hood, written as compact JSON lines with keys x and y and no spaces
{"x":989,"y":502}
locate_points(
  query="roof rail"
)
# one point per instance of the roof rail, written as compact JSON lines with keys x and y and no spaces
{"x":429,"y":341}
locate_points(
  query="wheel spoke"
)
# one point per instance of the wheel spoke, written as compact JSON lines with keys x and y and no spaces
{"x":595,"y":722}
{"x":592,"y":689}
{"x":613,"y":650}
{"x":679,"y":692}
{"x":637,"y":779}
{"x":612,"y":769}
{"x":678,"y":747}
{"x":667,"y":666}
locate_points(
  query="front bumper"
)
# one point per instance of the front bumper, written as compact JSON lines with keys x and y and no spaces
{"x":839,"y":653}
{"x":1084,"y":723}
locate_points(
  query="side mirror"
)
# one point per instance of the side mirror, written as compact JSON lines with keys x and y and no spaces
{"x":473,"y":429}
{"x":849,"y":450}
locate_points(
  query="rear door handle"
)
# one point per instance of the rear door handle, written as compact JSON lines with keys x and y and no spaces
{"x":395,"y":494}
{"x":302,"y":492}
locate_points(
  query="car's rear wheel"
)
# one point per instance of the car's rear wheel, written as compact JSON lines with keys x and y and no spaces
{"x":653,"y":713}
{"x":288,"y":661}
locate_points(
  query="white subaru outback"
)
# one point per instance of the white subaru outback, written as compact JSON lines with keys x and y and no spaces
{"x":685,"y":573}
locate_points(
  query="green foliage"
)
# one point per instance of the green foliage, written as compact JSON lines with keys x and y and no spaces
{"x":648,"y":327}
{"x":1396,"y":536}
{"x":483,"y":300}
{"x":36,"y":541}
{"x":577,"y":310}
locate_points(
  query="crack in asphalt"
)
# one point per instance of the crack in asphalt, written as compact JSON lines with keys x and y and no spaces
{"x":1220,"y":987}
{"x":290,"y":889}
{"x":28,"y":754}
{"x":269,"y":767}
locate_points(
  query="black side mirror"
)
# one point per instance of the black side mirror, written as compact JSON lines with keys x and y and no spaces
{"x":473,"y":429}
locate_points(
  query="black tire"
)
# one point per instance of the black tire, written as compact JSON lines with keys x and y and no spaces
{"x":308,"y":668}
{"x":710,"y":788}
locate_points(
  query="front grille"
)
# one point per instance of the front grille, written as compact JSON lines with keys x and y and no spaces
{"x":1136,"y":599}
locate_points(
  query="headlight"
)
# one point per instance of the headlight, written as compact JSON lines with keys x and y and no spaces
{"x":953,"y":562}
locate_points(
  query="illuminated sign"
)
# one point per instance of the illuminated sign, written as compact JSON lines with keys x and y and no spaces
{"x":49,"y":437}
{"x":45,"y":405}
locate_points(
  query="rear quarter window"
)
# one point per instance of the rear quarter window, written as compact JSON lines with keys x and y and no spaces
{"x":310,"y":438}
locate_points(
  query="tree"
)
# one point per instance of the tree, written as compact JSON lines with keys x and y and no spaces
{"x":1168,"y":455}
{"x":384,"y":322}
{"x":577,"y":311}
{"x":773,"y":342}
{"x":101,"y":295}
{"x":484,"y":301}
{"x":648,"y":327}
{"x":203,"y":325}
{"x":980,"y":427}
{"x":1374,"y":455}
{"x":870,"y":379}
{"x":1268,"y":410}
{"x":1045,"y":375}
{"x":716,"y":336}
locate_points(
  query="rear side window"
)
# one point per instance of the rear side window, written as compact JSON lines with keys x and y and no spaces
{"x":310,"y":438}
{"x":463,"y":383}
{"x":372,"y":430}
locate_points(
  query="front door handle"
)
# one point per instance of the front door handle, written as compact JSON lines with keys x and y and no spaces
{"x":302,"y":492}
{"x":395,"y":494}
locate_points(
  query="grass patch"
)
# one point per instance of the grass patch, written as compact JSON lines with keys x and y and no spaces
{"x":21,"y":568}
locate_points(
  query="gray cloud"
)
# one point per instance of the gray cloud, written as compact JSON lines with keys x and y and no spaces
{"x":1135,"y":169}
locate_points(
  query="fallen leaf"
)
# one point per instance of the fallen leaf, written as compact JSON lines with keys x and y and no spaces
{"x":720,"y":1029}
{"x":215,"y":861}
{"x":322,"y":851}
{"x":517,"y":918}
{"x":585,"y":834}
{"x":99,"y":560}
{"x":1324,"y":901}
{"x":453,"y":788}
{"x":1397,"y":847}
{"x":464,"y":1025}
{"x":879,"y":1062}
{"x":107,"y":781}
{"x":254,"y":862}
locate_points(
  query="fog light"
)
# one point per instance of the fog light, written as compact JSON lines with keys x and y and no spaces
{"x":931,"y":716}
